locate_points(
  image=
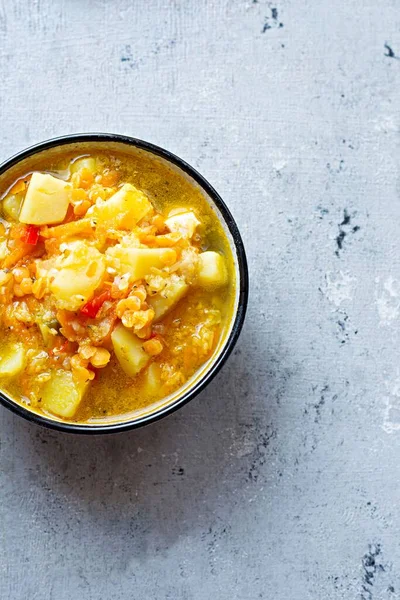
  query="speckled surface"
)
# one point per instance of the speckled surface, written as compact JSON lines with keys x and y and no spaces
{"x":282,"y":479}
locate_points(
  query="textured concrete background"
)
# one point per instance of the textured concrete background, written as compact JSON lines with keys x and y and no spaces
{"x":281,"y":481}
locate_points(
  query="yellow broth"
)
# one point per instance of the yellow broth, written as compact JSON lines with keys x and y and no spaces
{"x":190,"y":334}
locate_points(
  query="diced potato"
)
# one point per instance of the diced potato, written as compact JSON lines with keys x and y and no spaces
{"x":11,"y":206}
{"x":86,"y":162}
{"x":152,"y":379}
{"x":169,"y":297}
{"x":183,"y":223}
{"x":12,"y":360}
{"x":62,"y":394}
{"x":128,"y":350}
{"x":125,"y":208}
{"x":212,"y":270}
{"x":139,"y":261}
{"x":46,"y":200}
{"x":78,"y":275}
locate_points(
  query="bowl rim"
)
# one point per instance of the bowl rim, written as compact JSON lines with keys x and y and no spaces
{"x":237,"y":325}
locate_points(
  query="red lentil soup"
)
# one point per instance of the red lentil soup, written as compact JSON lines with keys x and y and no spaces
{"x":117,"y":283}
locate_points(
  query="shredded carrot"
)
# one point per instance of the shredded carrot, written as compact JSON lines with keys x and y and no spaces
{"x":161,"y":241}
{"x":16,"y":255}
{"x":68,"y":229}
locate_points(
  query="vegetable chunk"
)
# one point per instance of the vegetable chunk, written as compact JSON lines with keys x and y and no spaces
{"x":169,"y":297}
{"x":125,"y":208}
{"x":86,"y":162}
{"x":128,"y":350}
{"x":46,"y":200}
{"x":11,"y":206}
{"x":183,"y":223}
{"x":12,"y":360}
{"x":80,"y":274}
{"x":212,"y":270}
{"x":139,"y":261}
{"x":62,"y":394}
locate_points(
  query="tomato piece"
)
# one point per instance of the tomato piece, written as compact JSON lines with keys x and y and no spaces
{"x":31,"y":235}
{"x":92,"y":307}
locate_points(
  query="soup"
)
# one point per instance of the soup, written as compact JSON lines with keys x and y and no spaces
{"x":117,"y":284}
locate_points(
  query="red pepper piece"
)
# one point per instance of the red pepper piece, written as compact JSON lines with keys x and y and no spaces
{"x":92,"y":307}
{"x":31,"y":235}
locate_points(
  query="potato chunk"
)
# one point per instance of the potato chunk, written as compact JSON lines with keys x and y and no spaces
{"x":128,"y":350}
{"x":78,"y":275}
{"x":62,"y":394}
{"x":139,"y":261}
{"x":124,"y":209}
{"x":46,"y":200}
{"x":86,"y":162}
{"x":183,"y":223}
{"x":169,"y":297}
{"x":12,"y":360}
{"x":12,"y":206}
{"x":212,"y":271}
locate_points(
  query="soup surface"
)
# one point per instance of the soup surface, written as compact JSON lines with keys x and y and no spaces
{"x":116,"y":284}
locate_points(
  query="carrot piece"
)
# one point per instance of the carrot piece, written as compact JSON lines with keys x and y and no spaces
{"x":18,"y":187}
{"x":16,"y":255}
{"x":167,"y":240}
{"x":67,"y":229}
{"x":17,"y":231}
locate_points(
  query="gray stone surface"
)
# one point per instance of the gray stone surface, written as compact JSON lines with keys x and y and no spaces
{"x":281,"y":481}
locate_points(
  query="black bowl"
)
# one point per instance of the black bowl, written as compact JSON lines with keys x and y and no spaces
{"x":242,"y":275}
